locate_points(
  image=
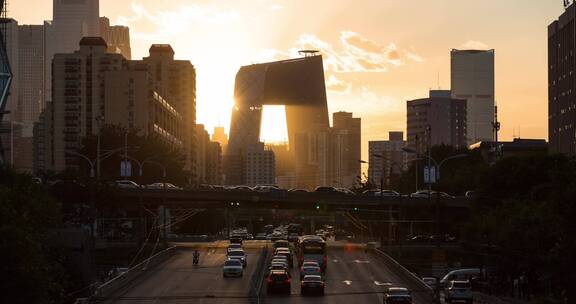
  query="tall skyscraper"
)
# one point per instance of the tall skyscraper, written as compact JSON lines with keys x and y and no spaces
{"x":386,"y":158}
{"x":117,"y":38}
{"x":11,"y":38}
{"x":437,"y":120}
{"x":472,"y":79}
{"x":562,"y":84}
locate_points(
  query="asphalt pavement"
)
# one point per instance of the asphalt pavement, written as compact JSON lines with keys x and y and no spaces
{"x":352,"y":276}
{"x":177,"y":280}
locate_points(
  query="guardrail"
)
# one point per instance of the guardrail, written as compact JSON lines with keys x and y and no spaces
{"x":258,"y":277}
{"x":107,"y":288}
{"x":404,"y":273}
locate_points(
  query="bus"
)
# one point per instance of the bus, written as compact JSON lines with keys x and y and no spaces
{"x":312,"y":248}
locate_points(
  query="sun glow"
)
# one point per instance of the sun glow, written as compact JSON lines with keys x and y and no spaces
{"x":273,"y":127}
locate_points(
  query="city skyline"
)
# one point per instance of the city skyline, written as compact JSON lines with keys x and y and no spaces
{"x":370,"y":71}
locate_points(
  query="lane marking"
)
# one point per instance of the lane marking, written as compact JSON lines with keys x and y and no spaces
{"x":347,"y":282}
{"x":382,"y":284}
{"x":361,"y":261}
{"x":335,"y":260}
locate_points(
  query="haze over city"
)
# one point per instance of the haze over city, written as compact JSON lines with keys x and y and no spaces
{"x":378,"y":54}
{"x":288,"y":151}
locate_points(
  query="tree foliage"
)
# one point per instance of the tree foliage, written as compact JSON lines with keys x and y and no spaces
{"x":31,"y":268}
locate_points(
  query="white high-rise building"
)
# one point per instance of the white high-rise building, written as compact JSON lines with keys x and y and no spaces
{"x":472,"y":78}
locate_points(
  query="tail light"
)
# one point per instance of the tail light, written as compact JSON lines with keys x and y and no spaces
{"x":269,"y":280}
{"x":325,"y":259}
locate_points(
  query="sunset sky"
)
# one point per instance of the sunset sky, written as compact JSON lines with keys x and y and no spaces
{"x":378,"y":53}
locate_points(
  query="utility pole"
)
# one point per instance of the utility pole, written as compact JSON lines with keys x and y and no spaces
{"x":496,"y":129}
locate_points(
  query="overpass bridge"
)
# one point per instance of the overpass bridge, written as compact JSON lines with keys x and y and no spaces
{"x":280,"y":200}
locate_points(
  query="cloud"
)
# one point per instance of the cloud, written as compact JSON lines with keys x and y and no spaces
{"x":474,"y":45}
{"x":338,"y":86}
{"x":355,"y":53}
{"x":171,"y":23}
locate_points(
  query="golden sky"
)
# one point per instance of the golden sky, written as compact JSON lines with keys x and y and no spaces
{"x":378,"y":53}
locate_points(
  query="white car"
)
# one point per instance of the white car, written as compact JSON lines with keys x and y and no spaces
{"x":458,"y":291}
{"x":397,"y":295}
{"x":238,"y":254}
{"x":234,"y":246}
{"x":232,"y":268}
{"x":127,"y":184}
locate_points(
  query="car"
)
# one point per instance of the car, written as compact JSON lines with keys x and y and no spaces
{"x":466,"y":274}
{"x":267,"y":188}
{"x":345,"y":191}
{"x":126,"y":184}
{"x":281,"y":244}
{"x":432,"y":282}
{"x":234,"y":246}
{"x":397,"y":295}
{"x":240,"y":188}
{"x":293,"y":237}
{"x":238,"y":255}
{"x":387,"y":193}
{"x":236,"y":240}
{"x":278,"y":281}
{"x":163,"y":186}
{"x":281,"y":258}
{"x":260,"y":236}
{"x":371,"y":192}
{"x":470,"y":194}
{"x":312,"y":284}
{"x":288,"y":256}
{"x":298,"y":191}
{"x":232,"y":268}
{"x":421,"y":194}
{"x":278,"y":266}
{"x":325,"y":189}
{"x":458,"y":291}
{"x":310,"y":270}
{"x":309,"y":264}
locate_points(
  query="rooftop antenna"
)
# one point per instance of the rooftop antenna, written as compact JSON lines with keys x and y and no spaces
{"x":308,"y":53}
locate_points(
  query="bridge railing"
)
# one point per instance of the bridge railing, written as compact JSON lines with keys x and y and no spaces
{"x":258,"y":277}
{"x":405,"y":274}
{"x":113,"y":285}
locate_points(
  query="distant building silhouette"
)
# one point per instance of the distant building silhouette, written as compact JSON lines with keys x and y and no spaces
{"x":386,"y":157}
{"x":220,"y":137}
{"x":117,"y":38}
{"x":444,"y":115}
{"x":562,"y":84}
{"x":472,"y":79}
{"x":208,"y":158}
{"x":298,"y":84}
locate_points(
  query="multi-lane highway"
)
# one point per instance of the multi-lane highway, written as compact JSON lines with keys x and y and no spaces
{"x":353,"y":276}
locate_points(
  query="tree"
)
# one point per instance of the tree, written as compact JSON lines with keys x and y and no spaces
{"x":31,"y":268}
{"x":140,"y":147}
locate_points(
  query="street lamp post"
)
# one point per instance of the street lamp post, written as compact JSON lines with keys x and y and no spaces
{"x":438,"y":166}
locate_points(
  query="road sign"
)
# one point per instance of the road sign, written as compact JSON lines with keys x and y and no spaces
{"x":430,"y":174}
{"x":125,"y":168}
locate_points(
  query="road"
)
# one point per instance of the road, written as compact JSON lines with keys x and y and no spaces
{"x":177,"y":280}
{"x":352,"y":276}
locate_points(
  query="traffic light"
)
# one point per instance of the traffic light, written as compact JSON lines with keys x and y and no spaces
{"x":317,"y":206}
{"x":355,"y":208}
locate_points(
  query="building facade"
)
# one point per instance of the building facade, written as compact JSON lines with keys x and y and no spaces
{"x":472,"y":79}
{"x":436,"y":120}
{"x":117,"y":38}
{"x":562,"y":83}
{"x":260,"y":166}
{"x":92,"y":88}
{"x":346,"y":133}
{"x":386,"y":158}
{"x":175,"y":81}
